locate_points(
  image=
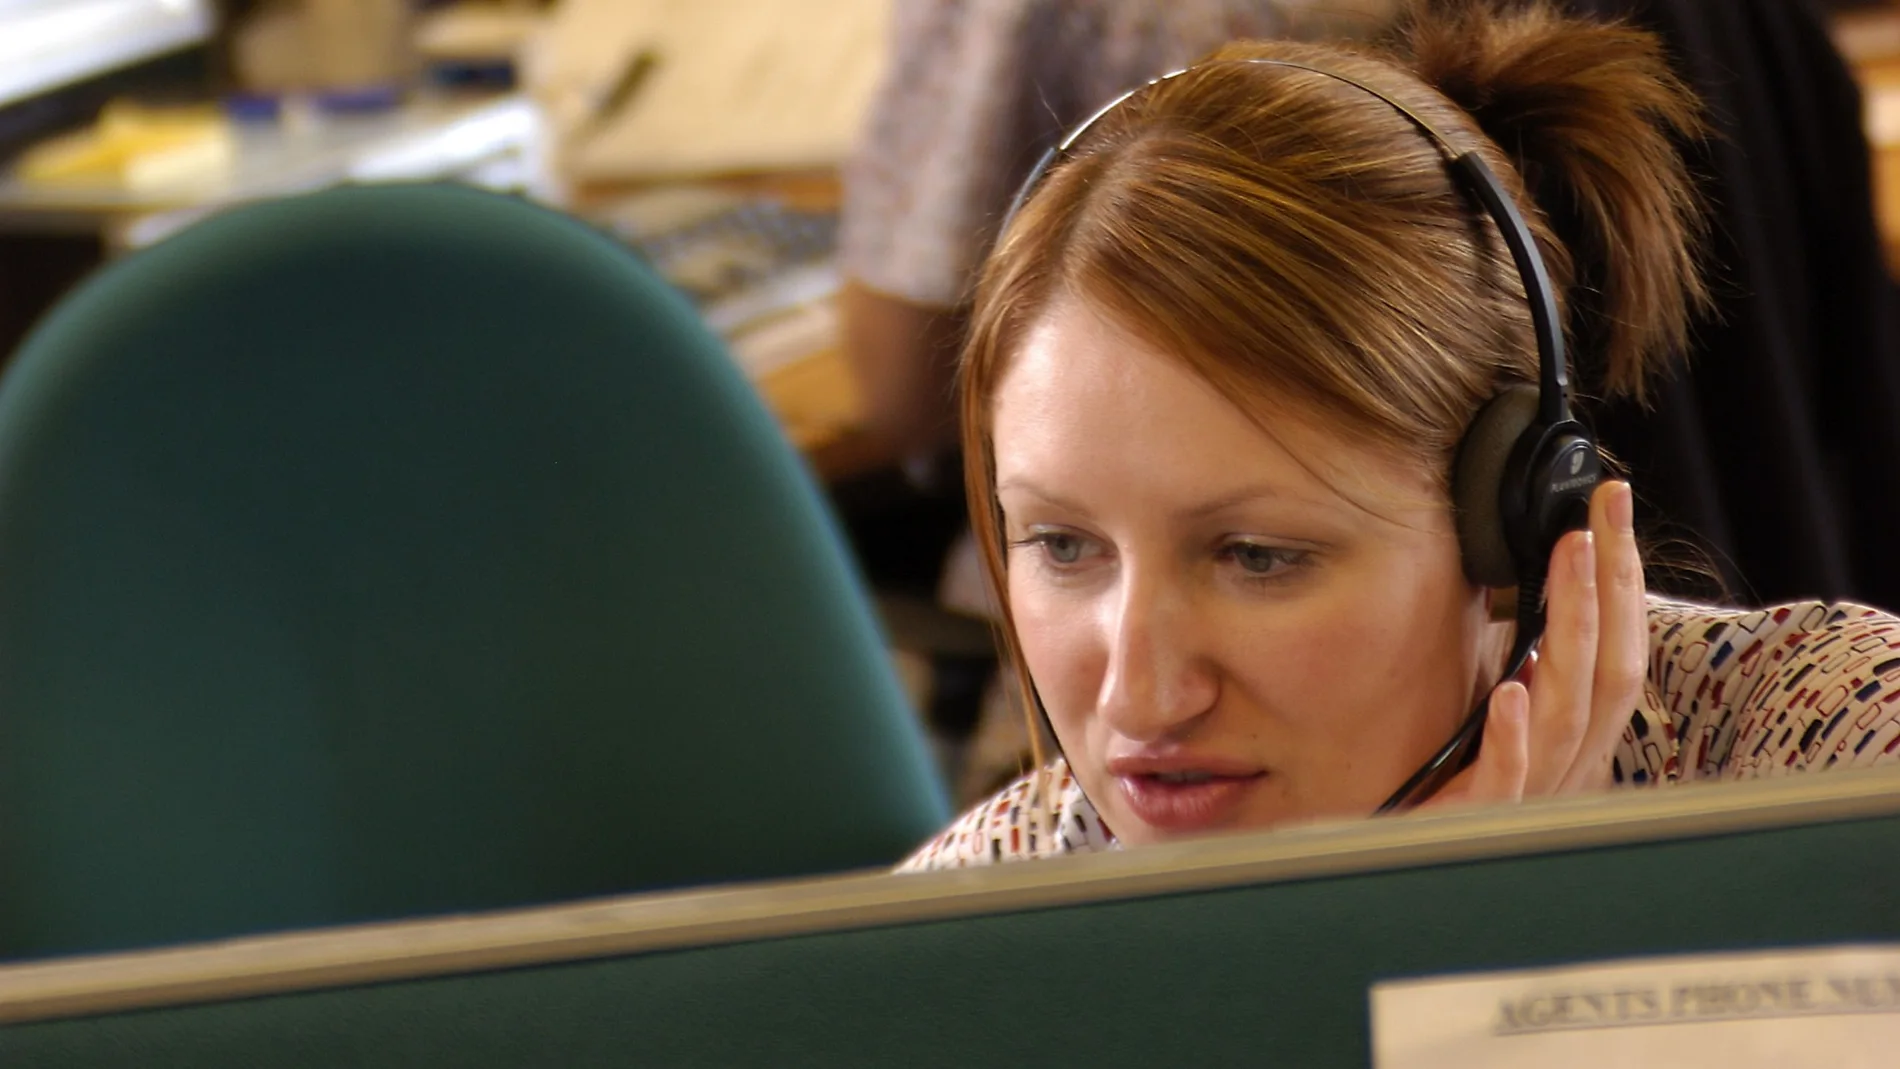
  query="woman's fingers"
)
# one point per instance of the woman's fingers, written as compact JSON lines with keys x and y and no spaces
{"x":1560,"y":701}
{"x":1558,"y":731}
{"x":1622,"y":652}
{"x":1504,"y":759}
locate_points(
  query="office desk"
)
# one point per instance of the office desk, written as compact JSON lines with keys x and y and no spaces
{"x":757,"y":254}
{"x":51,"y":235}
{"x":488,"y":141}
{"x":816,"y":399}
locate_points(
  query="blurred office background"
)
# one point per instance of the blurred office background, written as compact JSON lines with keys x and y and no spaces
{"x":711,"y":137}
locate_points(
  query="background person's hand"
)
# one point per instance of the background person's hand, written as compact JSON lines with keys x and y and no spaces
{"x":1558,"y":734}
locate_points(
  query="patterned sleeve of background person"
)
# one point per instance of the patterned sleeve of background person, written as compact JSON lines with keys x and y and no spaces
{"x":940,"y":147}
{"x":975,"y":91}
{"x":1752,"y":693}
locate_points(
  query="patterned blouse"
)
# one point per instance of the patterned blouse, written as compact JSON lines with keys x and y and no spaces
{"x":1732,"y":694}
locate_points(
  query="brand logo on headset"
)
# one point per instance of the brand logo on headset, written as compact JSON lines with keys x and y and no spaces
{"x":1564,"y":486}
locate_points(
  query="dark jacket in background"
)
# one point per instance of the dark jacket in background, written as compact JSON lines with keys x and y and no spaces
{"x":1779,"y":446}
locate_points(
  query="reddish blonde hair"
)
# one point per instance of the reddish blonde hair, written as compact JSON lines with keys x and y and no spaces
{"x":1297,"y":243}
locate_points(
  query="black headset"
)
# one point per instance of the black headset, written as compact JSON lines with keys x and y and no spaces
{"x":1525,"y":468}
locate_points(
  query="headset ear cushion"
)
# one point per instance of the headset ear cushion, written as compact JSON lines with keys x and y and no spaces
{"x":1477,"y":483}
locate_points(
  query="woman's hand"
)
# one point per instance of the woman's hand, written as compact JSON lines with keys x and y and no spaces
{"x":1559,"y":734}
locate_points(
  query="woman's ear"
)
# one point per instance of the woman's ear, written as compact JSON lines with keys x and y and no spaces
{"x":1501,"y":603}
{"x":1500,"y":607}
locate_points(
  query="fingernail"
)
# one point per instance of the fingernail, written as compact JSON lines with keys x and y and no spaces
{"x":1584,"y":559}
{"x":1510,"y":704}
{"x":1517,"y":708}
{"x":1621,"y":509}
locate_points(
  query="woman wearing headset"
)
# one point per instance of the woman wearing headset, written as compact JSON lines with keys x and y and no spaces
{"x":1229,"y":367}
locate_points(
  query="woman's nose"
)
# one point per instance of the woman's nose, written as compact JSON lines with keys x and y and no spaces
{"x":1157,"y":680}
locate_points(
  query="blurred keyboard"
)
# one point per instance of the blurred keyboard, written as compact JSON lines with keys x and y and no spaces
{"x":741,"y":260}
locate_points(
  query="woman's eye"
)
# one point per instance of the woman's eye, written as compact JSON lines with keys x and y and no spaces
{"x":1256,"y":559}
{"x":1062,"y":548}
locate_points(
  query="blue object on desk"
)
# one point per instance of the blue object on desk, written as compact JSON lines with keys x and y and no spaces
{"x":254,"y":107}
{"x":358,"y":100}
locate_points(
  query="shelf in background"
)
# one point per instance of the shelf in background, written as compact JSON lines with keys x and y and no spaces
{"x":46,"y":44}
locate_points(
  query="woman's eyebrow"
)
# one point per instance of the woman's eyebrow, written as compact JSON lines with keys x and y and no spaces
{"x":1245,"y":495}
{"x":1248,"y":495}
{"x":1029,"y":487}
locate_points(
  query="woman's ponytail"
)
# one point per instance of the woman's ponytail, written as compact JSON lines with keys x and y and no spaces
{"x":1593,"y":117}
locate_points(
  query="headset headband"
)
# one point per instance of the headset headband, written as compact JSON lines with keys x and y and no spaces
{"x":1553,"y":384}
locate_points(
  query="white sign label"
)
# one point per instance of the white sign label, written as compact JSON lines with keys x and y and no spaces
{"x":1837,"y":1008}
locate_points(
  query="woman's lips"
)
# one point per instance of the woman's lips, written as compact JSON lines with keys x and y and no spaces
{"x":1185,"y":801}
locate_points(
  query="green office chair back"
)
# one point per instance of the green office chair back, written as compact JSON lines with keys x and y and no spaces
{"x":399,"y":551}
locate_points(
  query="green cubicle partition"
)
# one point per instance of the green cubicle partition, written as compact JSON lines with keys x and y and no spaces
{"x":1255,"y":950}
